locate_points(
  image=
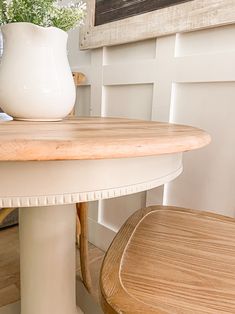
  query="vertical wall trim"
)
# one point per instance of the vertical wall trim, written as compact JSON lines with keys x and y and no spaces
{"x":162,"y":95}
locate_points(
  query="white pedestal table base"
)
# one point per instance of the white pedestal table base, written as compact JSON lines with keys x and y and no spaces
{"x":47,"y":257}
{"x":47,"y":224}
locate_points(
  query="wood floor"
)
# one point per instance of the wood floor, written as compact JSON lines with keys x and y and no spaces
{"x":9,"y":266}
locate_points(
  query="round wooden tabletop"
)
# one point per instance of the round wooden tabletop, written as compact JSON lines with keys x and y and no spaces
{"x":95,"y":138}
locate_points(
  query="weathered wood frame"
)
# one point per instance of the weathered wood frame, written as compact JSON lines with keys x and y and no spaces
{"x":184,"y":17}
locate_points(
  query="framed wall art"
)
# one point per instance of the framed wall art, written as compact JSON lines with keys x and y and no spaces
{"x":113,"y":22}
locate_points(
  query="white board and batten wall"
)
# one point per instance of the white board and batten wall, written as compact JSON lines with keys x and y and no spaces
{"x":184,"y":78}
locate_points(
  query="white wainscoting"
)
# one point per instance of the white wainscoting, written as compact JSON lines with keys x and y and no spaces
{"x":184,"y":78}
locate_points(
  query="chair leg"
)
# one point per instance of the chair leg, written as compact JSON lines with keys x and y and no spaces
{"x":78,"y":228}
{"x":82,"y":213}
{"x":4,"y":212}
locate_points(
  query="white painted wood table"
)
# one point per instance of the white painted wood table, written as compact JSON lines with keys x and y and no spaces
{"x":45,"y":168}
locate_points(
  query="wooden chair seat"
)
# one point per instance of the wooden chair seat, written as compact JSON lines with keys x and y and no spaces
{"x":171,"y":260}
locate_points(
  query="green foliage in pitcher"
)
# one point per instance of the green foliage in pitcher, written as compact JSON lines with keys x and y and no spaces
{"x":44,"y":13}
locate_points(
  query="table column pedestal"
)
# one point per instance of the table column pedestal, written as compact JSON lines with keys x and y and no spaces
{"x":47,"y":258}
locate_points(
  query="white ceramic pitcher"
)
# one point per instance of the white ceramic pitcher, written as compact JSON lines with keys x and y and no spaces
{"x":36,"y":82}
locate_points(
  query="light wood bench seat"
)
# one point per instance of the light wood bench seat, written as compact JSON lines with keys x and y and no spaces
{"x":171,"y":260}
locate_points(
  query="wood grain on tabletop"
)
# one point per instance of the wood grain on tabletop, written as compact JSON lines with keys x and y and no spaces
{"x":171,"y":260}
{"x":95,"y":138}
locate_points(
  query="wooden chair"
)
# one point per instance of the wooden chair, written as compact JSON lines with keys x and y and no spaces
{"x":4,"y":213}
{"x":82,"y":218}
{"x":82,"y":239}
{"x":171,"y":260}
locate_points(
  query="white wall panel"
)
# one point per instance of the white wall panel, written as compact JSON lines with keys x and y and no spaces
{"x":137,"y":51}
{"x":208,"y":41}
{"x":129,"y":101}
{"x":114,"y":211}
{"x":207,"y":181}
{"x":83,"y":101}
{"x":187,"y":78}
{"x":135,"y":73}
{"x":77,"y":57}
{"x":75,"y":54}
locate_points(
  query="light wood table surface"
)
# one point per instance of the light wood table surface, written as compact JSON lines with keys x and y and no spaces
{"x":46,"y":168}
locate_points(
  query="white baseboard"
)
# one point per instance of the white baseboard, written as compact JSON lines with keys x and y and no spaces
{"x":100,"y":235}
